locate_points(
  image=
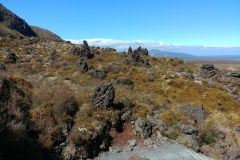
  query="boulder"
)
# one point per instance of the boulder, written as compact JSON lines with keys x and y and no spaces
{"x":11,"y":58}
{"x":98,"y":73}
{"x":103,"y":95}
{"x":208,"y":70}
{"x":129,"y":50}
{"x":188,"y":129}
{"x":136,"y":56}
{"x":81,"y":63}
{"x":236,"y":74}
{"x":143,"y":127}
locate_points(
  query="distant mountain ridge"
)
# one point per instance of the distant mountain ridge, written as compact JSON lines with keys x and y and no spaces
{"x":186,"y":56}
{"x":14,"y":26}
{"x":171,"y":54}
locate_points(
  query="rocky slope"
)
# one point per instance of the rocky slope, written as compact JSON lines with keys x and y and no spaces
{"x":13,"y":26}
{"x":67,"y":101}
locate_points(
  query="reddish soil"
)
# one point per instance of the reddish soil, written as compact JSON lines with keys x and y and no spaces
{"x":121,"y":139}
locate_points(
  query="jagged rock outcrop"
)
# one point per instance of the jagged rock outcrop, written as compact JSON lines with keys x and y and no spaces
{"x":236,"y":74}
{"x":143,"y":51}
{"x":98,"y":73}
{"x":143,"y":127}
{"x":137,"y":58}
{"x":208,"y":70}
{"x":129,"y":50}
{"x":81,"y":63}
{"x":103,"y":95}
{"x":83,"y":52}
{"x":15,"y":23}
{"x":11,"y":58}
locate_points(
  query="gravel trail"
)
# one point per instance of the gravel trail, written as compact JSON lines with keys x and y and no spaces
{"x":165,"y":152}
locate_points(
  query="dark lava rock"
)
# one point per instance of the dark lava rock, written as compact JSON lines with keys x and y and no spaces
{"x":208,"y":70}
{"x":236,"y":74}
{"x":81,"y":63}
{"x":12,"y":58}
{"x":2,"y":66}
{"x":180,"y":61}
{"x":108,"y":49}
{"x":141,"y":50}
{"x":98,"y":74}
{"x":198,"y":112}
{"x":143,"y":127}
{"x":103,"y":95}
{"x":129,"y":50}
{"x":136,"y":56}
{"x":83,"y":52}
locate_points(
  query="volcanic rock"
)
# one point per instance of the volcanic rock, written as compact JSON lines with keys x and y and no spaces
{"x":103,"y":95}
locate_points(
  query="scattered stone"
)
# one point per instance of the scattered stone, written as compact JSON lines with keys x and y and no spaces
{"x":132,"y":143}
{"x":237,"y":129}
{"x":208,"y":70}
{"x":2,"y":66}
{"x":81,"y":63}
{"x":98,"y":73}
{"x":103,"y":95}
{"x":180,"y":61}
{"x":236,"y":74}
{"x":143,"y":127}
{"x":11,"y":58}
{"x":126,"y":116}
{"x":198,"y":112}
{"x":188,"y":129}
{"x":187,"y":75}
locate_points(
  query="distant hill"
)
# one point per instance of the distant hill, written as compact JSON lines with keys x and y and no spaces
{"x":13,"y":25}
{"x":172,"y":54}
{"x":43,"y":33}
{"x":186,"y":56}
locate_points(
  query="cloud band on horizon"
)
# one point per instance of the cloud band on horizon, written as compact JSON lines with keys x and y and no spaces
{"x":122,"y":45}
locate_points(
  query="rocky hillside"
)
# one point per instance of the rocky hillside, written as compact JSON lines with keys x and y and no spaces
{"x":13,"y":26}
{"x":67,"y":101}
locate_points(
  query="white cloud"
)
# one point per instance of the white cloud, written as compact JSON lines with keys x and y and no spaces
{"x":122,"y":45}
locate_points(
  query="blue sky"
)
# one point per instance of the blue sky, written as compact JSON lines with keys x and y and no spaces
{"x":168,"y":22}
